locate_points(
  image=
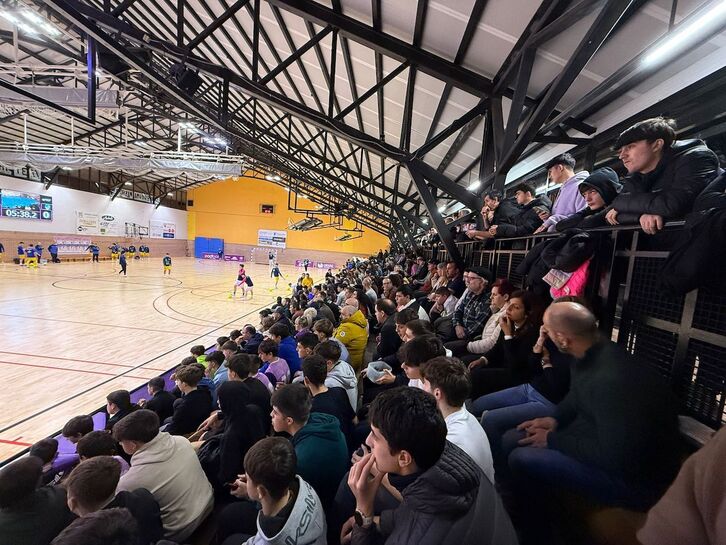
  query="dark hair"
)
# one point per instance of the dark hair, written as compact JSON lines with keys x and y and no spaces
{"x":96,"y":443}
{"x":198,"y":350}
{"x":293,"y":400}
{"x":234,"y":334}
{"x":120,"y":398}
{"x":271,"y":462}
{"x":450,"y":376}
{"x":504,"y":286}
{"x":387,"y":306}
{"x":19,"y":480}
{"x":442,"y":290}
{"x":221,"y":341}
{"x":230,"y":345}
{"x":189,"y":374}
{"x":279,"y":330}
{"x":45,"y":449}
{"x":78,"y":425}
{"x":532,"y":306}
{"x":308,"y":340}
{"x":493,"y":194}
{"x":405,"y":290}
{"x":94,"y":481}
{"x":329,"y":350}
{"x":105,"y":527}
{"x":396,"y":280}
{"x":250,"y":329}
{"x":408,"y":419}
{"x":241,"y":365}
{"x":564,"y":159}
{"x":420,"y":349}
{"x":325,"y":327}
{"x":420,"y":327}
{"x":141,"y":426}
{"x":268,"y":346}
{"x":525,"y":187}
{"x":406,"y":315}
{"x":215,"y":357}
{"x":189,"y":360}
{"x":158,"y":384}
{"x":650,"y":130}
{"x":315,"y":369}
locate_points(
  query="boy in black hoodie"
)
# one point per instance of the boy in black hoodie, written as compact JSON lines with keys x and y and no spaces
{"x":599,"y":190}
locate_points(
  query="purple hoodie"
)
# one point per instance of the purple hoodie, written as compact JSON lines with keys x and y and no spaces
{"x":569,"y":201}
{"x":279,"y":368}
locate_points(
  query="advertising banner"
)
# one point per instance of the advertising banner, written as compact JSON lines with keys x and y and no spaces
{"x":315,"y":264}
{"x":162,"y":229}
{"x":110,"y":226}
{"x":87,"y":223}
{"x":210,"y":255}
{"x":274,"y":239}
{"x":233,"y":257}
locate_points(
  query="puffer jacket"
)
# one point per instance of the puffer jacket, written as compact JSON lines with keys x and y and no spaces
{"x":527,"y":221}
{"x":604,"y":181}
{"x":451,"y":503}
{"x":669,"y":191}
{"x":352,"y":333}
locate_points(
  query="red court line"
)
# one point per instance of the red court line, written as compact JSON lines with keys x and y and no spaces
{"x":72,"y":370}
{"x":18,"y":443}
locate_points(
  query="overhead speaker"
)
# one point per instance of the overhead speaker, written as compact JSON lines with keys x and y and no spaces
{"x":113,"y":64}
{"x":187,"y":80}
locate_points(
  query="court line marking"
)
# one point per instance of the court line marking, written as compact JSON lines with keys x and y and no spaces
{"x":77,"y":360}
{"x":70,"y":369}
{"x":90,"y":389}
{"x":16,"y":443}
{"x":102,"y":325}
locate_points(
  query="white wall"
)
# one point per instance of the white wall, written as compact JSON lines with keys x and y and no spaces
{"x":67,"y":201}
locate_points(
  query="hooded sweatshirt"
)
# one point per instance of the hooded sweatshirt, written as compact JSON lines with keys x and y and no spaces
{"x":569,"y":200}
{"x":305,"y":524}
{"x":322,"y":454}
{"x":352,"y":333}
{"x":167,"y":466}
{"x":288,"y":352}
{"x":605,"y":182}
{"x":343,"y":376}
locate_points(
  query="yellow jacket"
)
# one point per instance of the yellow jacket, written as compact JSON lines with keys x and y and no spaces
{"x":352,"y":333}
{"x":307,"y":282}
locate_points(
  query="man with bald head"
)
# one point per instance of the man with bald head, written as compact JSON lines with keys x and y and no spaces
{"x":614,"y":437}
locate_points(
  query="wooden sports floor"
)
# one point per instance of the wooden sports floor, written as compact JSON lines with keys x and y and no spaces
{"x":70,"y":333}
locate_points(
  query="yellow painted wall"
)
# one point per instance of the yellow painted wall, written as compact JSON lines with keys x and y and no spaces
{"x":230,"y":210}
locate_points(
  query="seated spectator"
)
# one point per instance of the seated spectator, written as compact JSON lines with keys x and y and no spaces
{"x":444,"y":304}
{"x":91,"y":487}
{"x":320,"y":447}
{"x":404,"y":299}
{"x":105,"y":527}
{"x":100,"y":443}
{"x":46,"y":450}
{"x":216,"y":368}
{"x":166,"y":466}
{"x":280,"y":316}
{"x":221,"y":455}
{"x":30,"y":514}
{"x":415,"y":352}
{"x":599,"y":189}
{"x":528,"y":219}
{"x":388,"y":341}
{"x":323,"y":308}
{"x":290,"y":512}
{"x":473,"y":310}
{"x":306,"y":345}
{"x":160,"y":401}
{"x":561,"y":171}
{"x":339,"y":373}
{"x":507,"y":363}
{"x":228,"y":349}
{"x":245,"y":368}
{"x":272,"y":365}
{"x":691,"y":511}
{"x":353,"y":334}
{"x":369,"y":291}
{"x":455,"y":279}
{"x":77,"y":427}
{"x":302,"y":326}
{"x":448,"y":381}
{"x":199,"y":352}
{"x":613,"y":439}
{"x":118,"y":405}
{"x":496,"y":210}
{"x":251,"y":339}
{"x":446,"y":496}
{"x":287,"y":347}
{"x":333,"y":401}
{"x":194,"y":405}
{"x":664,"y":175}
{"x":220,"y":343}
{"x":417,"y":327}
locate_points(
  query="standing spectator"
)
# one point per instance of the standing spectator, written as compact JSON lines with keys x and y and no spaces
{"x":528,"y":219}
{"x":561,"y":170}
{"x":599,"y":190}
{"x":352,"y":333}
{"x":166,"y":466}
{"x":160,"y":401}
{"x":496,"y":210}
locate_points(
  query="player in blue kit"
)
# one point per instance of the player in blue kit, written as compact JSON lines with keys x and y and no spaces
{"x":122,"y":262}
{"x":276,"y":274}
{"x":31,"y":259}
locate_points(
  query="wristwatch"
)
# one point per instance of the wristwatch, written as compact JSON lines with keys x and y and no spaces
{"x":362,"y":520}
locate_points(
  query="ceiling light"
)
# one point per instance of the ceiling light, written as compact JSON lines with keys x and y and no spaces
{"x":9,"y":16}
{"x":269,"y":178}
{"x":127,"y":183}
{"x":687,"y":34}
{"x":441,"y":209}
{"x":143,"y":143}
{"x":32,"y":17}
{"x":474,"y":185}
{"x":66,"y":168}
{"x":425,"y":221}
{"x":169,"y":194}
{"x":27,"y":28}
{"x":276,"y":178}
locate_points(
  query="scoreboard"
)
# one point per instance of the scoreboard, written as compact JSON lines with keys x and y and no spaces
{"x":22,"y":205}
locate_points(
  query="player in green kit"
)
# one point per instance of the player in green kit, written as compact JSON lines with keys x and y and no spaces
{"x":167,"y":264}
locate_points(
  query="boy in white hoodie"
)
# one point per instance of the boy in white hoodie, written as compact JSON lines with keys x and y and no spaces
{"x":340,"y":373}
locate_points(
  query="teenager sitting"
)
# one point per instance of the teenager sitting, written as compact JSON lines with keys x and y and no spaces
{"x":106,"y":527}
{"x":160,"y":401}
{"x":100,"y":443}
{"x":77,"y":427}
{"x":273,"y":366}
{"x":333,"y":401}
{"x":118,"y":405}
{"x":325,"y":330}
{"x":195,"y":404}
{"x":340,"y":374}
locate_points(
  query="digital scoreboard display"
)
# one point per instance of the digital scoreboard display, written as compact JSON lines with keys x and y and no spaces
{"x":28,"y":206}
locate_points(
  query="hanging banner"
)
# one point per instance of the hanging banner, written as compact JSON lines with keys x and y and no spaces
{"x":110,"y":226}
{"x":274,"y":239}
{"x":162,"y":229}
{"x":87,"y":223}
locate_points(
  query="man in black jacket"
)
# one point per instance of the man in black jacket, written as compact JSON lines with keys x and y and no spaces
{"x":446,"y":499}
{"x":91,"y":487}
{"x":161,"y":401}
{"x":388,"y":339}
{"x":614,"y":437}
{"x":118,"y":405}
{"x":251,"y":339}
{"x":664,"y":175}
{"x":496,"y":210}
{"x":528,"y":218}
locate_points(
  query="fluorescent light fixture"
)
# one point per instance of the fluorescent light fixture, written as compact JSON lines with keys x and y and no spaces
{"x":685,"y":35}
{"x":441,"y":209}
{"x":33,"y":18}
{"x":9,"y":16}
{"x":474,"y":185}
{"x":66,"y":168}
{"x":276,"y":178}
{"x":127,"y":183}
{"x":143,"y":143}
{"x":27,"y":28}
{"x":50,"y":29}
{"x":269,"y":178}
{"x":169,"y":194}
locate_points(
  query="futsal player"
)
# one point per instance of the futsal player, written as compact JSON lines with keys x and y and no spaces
{"x":276,"y":274}
{"x":132,"y":251}
{"x":167,"y":263}
{"x":95,"y":250}
{"x":241,"y":281}
{"x":114,"y":250}
{"x":122,"y":262}
{"x":38,"y":251}
{"x":31,"y":260}
{"x":2,"y":252}
{"x":21,"y":253}
{"x":306,"y":263}
{"x":271,"y":259}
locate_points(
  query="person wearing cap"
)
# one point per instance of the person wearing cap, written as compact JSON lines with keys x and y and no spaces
{"x":664,"y":175}
{"x":599,"y":189}
{"x":473,"y":310}
{"x":561,"y":170}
